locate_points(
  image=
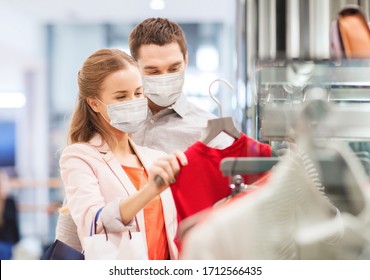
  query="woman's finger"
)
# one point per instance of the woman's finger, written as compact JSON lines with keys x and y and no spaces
{"x":181,"y":157}
{"x":159,"y":175}
{"x":166,"y":165}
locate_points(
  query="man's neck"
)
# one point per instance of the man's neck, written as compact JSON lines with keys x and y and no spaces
{"x":154,"y":108}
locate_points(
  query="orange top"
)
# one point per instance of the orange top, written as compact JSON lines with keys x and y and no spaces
{"x":153,"y":215}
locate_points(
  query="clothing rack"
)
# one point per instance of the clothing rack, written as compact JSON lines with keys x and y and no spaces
{"x":293,"y":82}
{"x":328,"y":120}
{"x":312,"y":121}
{"x":330,"y":166}
{"x":246,"y":165}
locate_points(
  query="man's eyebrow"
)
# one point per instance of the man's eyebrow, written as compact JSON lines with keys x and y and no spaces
{"x":150,"y":67}
{"x":176,"y":63}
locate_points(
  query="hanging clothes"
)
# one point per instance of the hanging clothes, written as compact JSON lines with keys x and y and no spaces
{"x":354,"y":222}
{"x":263,"y":224}
{"x":200,"y":184}
{"x":187,"y":224}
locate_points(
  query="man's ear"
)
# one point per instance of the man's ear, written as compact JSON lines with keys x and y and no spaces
{"x":93,"y":103}
{"x":186,"y":59}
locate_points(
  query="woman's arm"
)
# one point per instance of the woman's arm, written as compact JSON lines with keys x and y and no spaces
{"x":167,"y":167}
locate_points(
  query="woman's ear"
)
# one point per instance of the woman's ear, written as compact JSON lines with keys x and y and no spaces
{"x":93,"y":103}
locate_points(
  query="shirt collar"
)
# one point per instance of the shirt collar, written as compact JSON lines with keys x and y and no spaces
{"x":180,"y":106}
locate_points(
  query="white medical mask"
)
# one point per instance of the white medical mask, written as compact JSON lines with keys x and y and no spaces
{"x":127,"y":116}
{"x":164,"y":90}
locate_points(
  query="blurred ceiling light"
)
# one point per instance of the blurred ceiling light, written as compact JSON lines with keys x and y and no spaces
{"x":157,"y":4}
{"x":12,"y":100}
{"x":207,"y":58}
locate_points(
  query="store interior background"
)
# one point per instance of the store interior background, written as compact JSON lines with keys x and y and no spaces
{"x":44,"y":43}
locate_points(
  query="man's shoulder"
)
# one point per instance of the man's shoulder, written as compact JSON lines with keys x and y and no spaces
{"x":196,"y":111}
{"x":149,"y":151}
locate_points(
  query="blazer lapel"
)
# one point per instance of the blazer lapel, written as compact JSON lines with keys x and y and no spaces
{"x":113,"y":164}
{"x":117,"y":170}
{"x":119,"y":173}
{"x":168,"y":204}
{"x":145,"y":161}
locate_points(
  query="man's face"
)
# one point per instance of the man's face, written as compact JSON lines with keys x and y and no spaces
{"x":158,"y":60}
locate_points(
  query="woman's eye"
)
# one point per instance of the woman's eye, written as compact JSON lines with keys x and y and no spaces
{"x":138,"y":93}
{"x":121,"y":97}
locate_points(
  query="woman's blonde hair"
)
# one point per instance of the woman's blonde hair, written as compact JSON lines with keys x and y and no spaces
{"x":85,"y":123}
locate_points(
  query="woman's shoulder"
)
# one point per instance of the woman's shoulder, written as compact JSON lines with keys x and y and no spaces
{"x":80,"y":147}
{"x":94,"y":145}
{"x":85,"y":151}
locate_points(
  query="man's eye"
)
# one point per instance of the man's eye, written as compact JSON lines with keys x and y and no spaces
{"x":175,"y":69}
{"x":153,"y":73}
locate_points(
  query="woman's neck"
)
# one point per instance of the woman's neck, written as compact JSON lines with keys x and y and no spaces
{"x":123,"y":145}
{"x":125,"y":153}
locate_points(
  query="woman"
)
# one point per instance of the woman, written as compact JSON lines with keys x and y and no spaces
{"x":9,"y":227}
{"x":103,"y":168}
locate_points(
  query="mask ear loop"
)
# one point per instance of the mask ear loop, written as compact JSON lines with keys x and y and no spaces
{"x":101,"y":112}
{"x":100,"y":101}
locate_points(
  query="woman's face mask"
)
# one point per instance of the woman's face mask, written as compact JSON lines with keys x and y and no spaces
{"x":164,"y":90}
{"x":128,"y":116}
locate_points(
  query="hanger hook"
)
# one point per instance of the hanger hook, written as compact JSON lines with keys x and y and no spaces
{"x":214,"y":98}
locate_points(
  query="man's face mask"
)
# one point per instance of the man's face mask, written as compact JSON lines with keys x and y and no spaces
{"x":128,"y":116}
{"x":164,"y":90}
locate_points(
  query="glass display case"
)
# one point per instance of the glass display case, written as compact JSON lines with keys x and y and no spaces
{"x":295,"y":83}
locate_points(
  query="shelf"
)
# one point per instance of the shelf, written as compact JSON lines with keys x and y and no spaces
{"x":332,"y":121}
{"x":274,"y":94}
{"x":315,"y":75}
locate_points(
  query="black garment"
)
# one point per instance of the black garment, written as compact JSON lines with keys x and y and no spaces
{"x":61,"y":251}
{"x":9,"y":230}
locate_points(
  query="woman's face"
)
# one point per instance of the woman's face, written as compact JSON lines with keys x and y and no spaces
{"x":122,"y":86}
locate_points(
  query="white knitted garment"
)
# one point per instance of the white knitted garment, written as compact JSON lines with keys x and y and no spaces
{"x":264,"y":224}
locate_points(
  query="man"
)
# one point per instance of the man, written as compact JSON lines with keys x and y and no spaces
{"x":159,"y":46}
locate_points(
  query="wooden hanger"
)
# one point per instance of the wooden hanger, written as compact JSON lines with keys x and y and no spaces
{"x":218,"y":125}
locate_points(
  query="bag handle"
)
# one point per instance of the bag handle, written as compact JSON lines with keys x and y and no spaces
{"x":95,"y":221}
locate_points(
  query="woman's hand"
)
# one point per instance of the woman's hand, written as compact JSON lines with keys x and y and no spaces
{"x":166,"y":167}
{"x":163,"y":172}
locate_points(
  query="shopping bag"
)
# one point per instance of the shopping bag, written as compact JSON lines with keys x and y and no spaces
{"x":127,"y":245}
{"x":61,"y":251}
